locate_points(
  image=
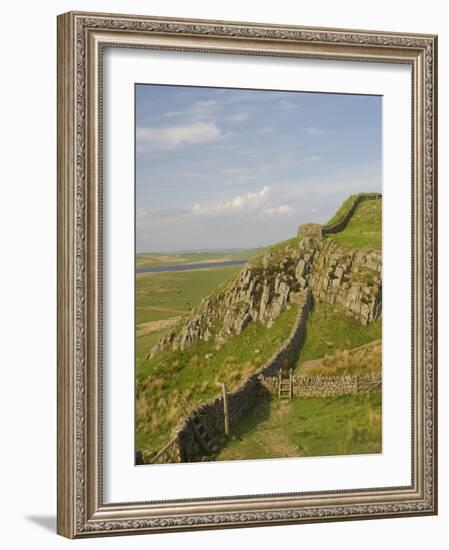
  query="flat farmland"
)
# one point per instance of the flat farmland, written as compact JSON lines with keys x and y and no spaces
{"x":162,"y":298}
{"x":154,"y":260}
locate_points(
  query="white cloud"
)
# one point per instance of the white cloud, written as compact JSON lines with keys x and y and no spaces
{"x":143,"y":216}
{"x":312,"y":158}
{"x":204,"y":104}
{"x":233,"y":171}
{"x":201,"y":108}
{"x":238,"y":117}
{"x":171,"y":114}
{"x":284,"y":104}
{"x":191,"y":174}
{"x":173,"y":136}
{"x":246,"y":202}
{"x":263,"y":202}
{"x":312,"y":131}
{"x":281,"y":209}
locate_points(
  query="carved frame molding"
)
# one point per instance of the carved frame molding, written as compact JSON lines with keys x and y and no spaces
{"x":81,"y":39}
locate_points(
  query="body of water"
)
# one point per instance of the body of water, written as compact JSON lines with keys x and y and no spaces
{"x":189,"y":267}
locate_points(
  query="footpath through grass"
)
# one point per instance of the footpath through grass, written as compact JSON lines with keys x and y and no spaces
{"x":342,"y":425}
{"x":276,"y":428}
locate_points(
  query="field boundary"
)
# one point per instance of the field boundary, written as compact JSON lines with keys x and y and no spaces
{"x":184,"y":445}
{"x":326,"y":386}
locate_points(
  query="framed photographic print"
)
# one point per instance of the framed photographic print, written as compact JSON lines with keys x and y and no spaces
{"x":246,"y":274}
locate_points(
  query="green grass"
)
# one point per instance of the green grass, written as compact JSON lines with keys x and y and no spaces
{"x":168,"y":294}
{"x":339,"y":214}
{"x":330,"y":329}
{"x":366,"y":359}
{"x":364,"y":229}
{"x":308,"y":427}
{"x":145,"y":343}
{"x":183,"y":258}
{"x":277,"y":252}
{"x":192,"y":375}
{"x":161,"y":296}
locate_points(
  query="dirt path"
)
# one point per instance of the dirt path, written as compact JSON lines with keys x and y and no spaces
{"x":276,"y":442}
{"x":265,"y":439}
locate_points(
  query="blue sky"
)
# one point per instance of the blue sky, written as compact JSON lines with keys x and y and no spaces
{"x":227,"y":168}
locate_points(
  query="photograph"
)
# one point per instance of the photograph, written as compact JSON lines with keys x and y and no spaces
{"x":258,"y":274}
{"x":247,"y":273}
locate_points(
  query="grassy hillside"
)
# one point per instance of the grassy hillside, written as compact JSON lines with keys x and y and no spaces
{"x":329,"y":330}
{"x":339,"y":214}
{"x":174,"y":293}
{"x":169,"y":295}
{"x":277,"y":251}
{"x":362,"y":360}
{"x":364,"y":229}
{"x":193,"y":374}
{"x":275,"y":428}
{"x":335,"y":344}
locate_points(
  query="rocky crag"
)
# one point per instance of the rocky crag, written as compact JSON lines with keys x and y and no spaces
{"x":269,"y":284}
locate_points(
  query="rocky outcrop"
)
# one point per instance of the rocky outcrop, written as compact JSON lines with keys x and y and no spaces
{"x":266,"y":287}
{"x":351,"y":278}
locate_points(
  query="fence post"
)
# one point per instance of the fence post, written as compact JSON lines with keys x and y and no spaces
{"x":225,"y":408}
{"x":290,"y":374}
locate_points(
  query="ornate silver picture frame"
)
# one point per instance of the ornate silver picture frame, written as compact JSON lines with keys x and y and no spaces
{"x":82,"y":41}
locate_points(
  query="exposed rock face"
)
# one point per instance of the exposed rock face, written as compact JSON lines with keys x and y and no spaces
{"x":350,"y":278}
{"x":264,"y":289}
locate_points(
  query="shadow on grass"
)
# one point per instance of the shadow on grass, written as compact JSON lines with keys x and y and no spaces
{"x":249,"y":422}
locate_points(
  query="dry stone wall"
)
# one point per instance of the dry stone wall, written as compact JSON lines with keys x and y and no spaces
{"x":171,"y":453}
{"x":186,"y":446}
{"x":343,"y":222}
{"x":323,"y":386}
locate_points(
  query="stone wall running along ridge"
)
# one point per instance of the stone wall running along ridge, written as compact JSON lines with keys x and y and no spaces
{"x":344,"y":220}
{"x":186,"y":446}
{"x":268,"y":284}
